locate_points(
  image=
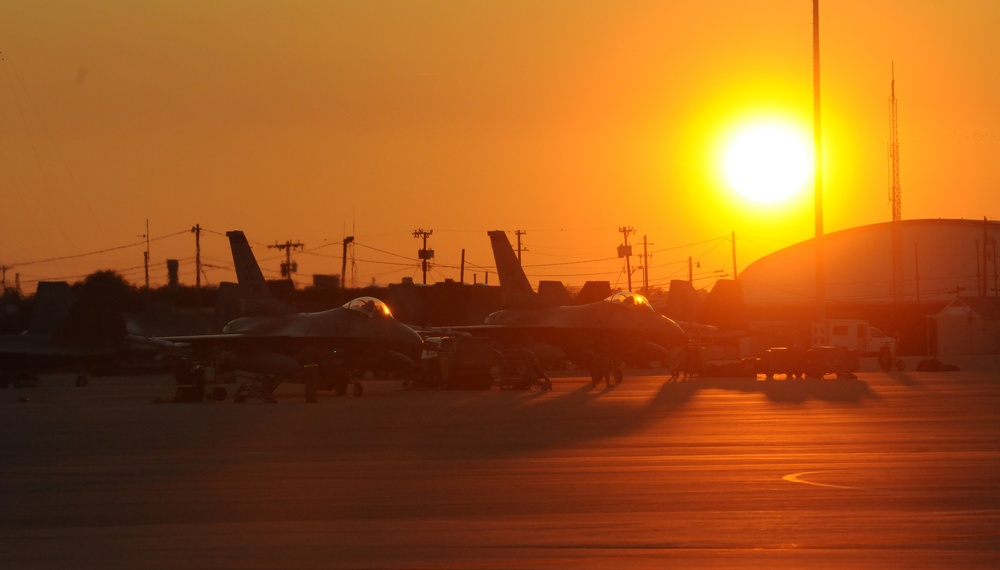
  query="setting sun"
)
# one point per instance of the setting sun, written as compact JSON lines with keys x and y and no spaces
{"x":768,"y":161}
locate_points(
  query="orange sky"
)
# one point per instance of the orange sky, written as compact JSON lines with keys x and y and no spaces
{"x":568,"y":119}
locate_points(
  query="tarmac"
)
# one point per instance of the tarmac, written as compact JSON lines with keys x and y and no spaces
{"x":892,"y":470}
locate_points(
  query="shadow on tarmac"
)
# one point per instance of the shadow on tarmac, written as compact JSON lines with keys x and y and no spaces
{"x":514,"y":423}
{"x":796,"y":390}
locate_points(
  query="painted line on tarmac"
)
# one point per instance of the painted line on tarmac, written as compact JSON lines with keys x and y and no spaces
{"x":797,"y":478}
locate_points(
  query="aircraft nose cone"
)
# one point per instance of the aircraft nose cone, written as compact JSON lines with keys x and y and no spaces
{"x":407,"y":340}
{"x":673,"y":333}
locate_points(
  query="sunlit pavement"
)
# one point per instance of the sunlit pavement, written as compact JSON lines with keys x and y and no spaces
{"x":887,"y":471}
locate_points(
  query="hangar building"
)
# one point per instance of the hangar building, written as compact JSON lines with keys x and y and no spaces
{"x":942,"y":259}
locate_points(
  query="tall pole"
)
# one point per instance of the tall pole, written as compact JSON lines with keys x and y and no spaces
{"x":461,"y":271}
{"x":626,"y":252}
{"x":145,"y":254}
{"x":818,"y":181}
{"x":895,"y":196}
{"x":645,"y":266}
{"x":343,"y":262}
{"x":196,"y":230}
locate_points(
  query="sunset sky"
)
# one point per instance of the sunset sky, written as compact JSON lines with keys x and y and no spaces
{"x":309,"y":121}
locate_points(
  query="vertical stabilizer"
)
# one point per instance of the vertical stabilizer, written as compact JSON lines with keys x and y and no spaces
{"x":514,"y":285}
{"x":53,"y":302}
{"x":254,"y":293}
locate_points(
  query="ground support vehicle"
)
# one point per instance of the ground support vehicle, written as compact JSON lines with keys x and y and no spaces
{"x":815,"y":362}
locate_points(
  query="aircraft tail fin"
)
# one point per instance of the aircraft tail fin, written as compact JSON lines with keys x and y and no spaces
{"x":515,"y":289}
{"x":52,"y":305}
{"x":254,"y":293}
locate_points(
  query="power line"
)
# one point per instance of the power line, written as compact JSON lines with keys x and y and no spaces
{"x":89,"y":253}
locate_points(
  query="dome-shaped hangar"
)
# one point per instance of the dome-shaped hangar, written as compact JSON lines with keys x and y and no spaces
{"x":941,"y":259}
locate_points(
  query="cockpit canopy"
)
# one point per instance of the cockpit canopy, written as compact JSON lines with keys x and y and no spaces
{"x":630,"y":299}
{"x":369,"y":306}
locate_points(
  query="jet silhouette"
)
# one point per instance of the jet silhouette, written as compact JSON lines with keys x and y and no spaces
{"x":65,"y":334}
{"x":321,"y":349}
{"x":599,"y":337}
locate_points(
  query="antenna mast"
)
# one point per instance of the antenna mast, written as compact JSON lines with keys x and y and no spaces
{"x":895,"y":195}
{"x":894,"y":190}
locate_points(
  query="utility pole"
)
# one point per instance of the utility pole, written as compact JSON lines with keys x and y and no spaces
{"x":461,"y":271}
{"x":288,"y":267}
{"x":520,"y":233}
{"x":343,"y":264}
{"x":145,"y":254}
{"x":424,"y":254}
{"x":196,"y":230}
{"x":626,"y":252}
{"x":690,"y":272}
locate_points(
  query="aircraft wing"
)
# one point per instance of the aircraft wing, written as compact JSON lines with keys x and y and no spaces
{"x":20,"y":346}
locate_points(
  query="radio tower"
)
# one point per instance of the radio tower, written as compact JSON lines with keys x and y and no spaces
{"x":895,"y":195}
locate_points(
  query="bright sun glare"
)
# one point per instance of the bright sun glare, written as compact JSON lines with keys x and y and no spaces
{"x":768,"y":162}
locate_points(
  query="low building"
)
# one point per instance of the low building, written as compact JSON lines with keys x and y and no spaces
{"x":967,"y":326}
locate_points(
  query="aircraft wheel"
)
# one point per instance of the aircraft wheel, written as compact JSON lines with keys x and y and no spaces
{"x":81,"y":381}
{"x":219,"y":394}
{"x":340,"y":388}
{"x":619,"y":376}
{"x":595,"y":378}
{"x":358,"y":389}
{"x":545,"y":385}
{"x":885,"y":358}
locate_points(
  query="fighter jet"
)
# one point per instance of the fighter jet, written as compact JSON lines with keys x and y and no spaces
{"x":65,"y":334}
{"x":599,"y":337}
{"x":322,"y":349}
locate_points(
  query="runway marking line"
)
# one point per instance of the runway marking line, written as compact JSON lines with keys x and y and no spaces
{"x":797,"y":478}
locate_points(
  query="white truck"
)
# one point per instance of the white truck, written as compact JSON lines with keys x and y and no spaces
{"x":852,"y":334}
